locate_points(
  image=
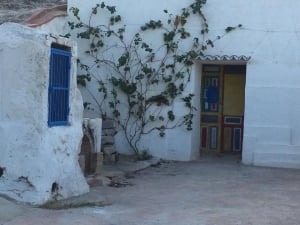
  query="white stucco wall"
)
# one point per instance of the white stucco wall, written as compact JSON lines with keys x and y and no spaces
{"x":178,"y":144}
{"x":34,"y":155}
{"x":270,"y":35}
{"x":57,"y":26}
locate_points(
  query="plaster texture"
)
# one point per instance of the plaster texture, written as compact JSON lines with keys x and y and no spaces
{"x":270,"y":36}
{"x":40,"y":162}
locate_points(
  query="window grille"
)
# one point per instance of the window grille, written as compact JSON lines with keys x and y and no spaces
{"x":59,"y":87}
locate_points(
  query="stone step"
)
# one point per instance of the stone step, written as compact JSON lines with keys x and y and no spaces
{"x":277,"y":159}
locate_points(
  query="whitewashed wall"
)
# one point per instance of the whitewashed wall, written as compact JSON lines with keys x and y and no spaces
{"x":178,"y":144}
{"x":270,"y":35}
{"x":35,"y":156}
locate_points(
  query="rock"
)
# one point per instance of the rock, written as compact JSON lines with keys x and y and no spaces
{"x":107,"y":140}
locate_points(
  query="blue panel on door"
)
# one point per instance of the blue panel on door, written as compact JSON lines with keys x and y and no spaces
{"x":209,"y":119}
{"x":210,"y":94}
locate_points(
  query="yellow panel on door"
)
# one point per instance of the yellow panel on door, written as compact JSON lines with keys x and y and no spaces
{"x":234,"y":94}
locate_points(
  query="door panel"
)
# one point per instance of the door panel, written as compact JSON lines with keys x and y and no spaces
{"x":227,"y":134}
{"x":211,"y":117}
{"x":234,"y":94}
{"x":233,"y":111}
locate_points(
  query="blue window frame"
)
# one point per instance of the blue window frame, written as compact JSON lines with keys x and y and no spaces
{"x":59,"y":87}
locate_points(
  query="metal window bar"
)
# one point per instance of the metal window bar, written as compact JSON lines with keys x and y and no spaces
{"x":59,"y":87}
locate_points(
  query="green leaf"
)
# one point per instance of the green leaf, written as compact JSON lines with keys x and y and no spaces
{"x":81,"y":80}
{"x":100,"y":43}
{"x":94,"y":11}
{"x":140,"y":77}
{"x":162,"y":134}
{"x":171,"y":115}
{"x":151,"y":118}
{"x":168,"y":37}
{"x":111,"y":9}
{"x":161,"y":118}
{"x":123,"y":59}
{"x":229,"y":29}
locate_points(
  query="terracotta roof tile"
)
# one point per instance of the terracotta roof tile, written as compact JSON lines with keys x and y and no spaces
{"x":45,"y":15}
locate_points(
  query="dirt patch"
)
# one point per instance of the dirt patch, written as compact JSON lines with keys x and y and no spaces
{"x":18,"y":10}
{"x":118,"y":182}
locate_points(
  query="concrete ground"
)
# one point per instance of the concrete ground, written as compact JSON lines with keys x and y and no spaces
{"x":211,"y":191}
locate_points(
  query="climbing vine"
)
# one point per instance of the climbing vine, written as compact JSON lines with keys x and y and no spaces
{"x":139,"y":81}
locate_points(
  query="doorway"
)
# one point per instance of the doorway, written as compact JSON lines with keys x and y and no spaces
{"x":222,"y":108}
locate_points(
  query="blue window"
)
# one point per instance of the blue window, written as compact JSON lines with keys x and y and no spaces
{"x":59,"y":87}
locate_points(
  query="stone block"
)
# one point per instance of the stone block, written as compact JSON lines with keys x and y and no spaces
{"x":109,"y":132}
{"x":109,"y":153}
{"x":108,"y":124}
{"x":109,"y":149}
{"x":107,"y":140}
